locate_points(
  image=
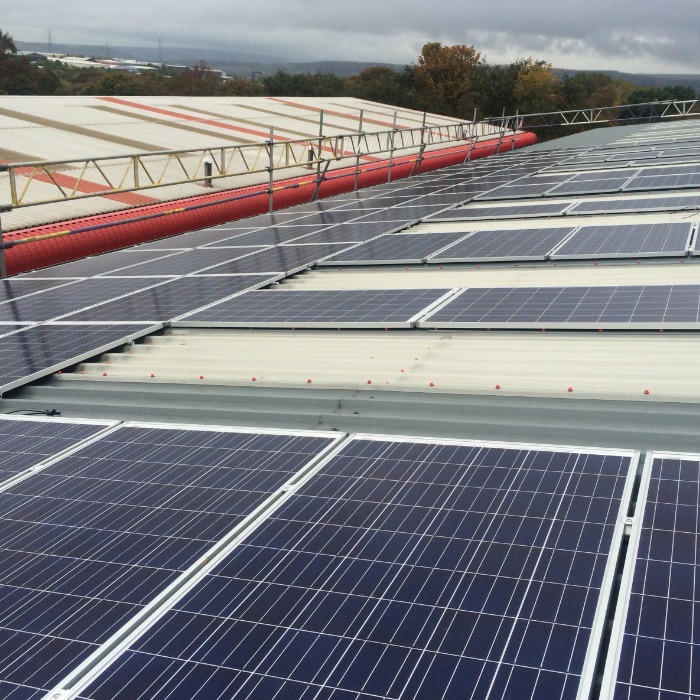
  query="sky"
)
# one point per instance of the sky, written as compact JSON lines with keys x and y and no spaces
{"x":635,"y":36}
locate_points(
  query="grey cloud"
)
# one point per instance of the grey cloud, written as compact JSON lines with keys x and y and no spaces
{"x":646,"y":35}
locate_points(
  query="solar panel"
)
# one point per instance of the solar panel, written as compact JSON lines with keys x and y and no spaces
{"x":630,"y":307}
{"x":406,"y":213}
{"x":515,"y":211}
{"x":394,"y":248}
{"x":27,"y":441}
{"x":364,"y":308}
{"x":272,"y":219}
{"x":334,"y":216}
{"x":283,"y":258}
{"x":194,"y":239}
{"x":190,"y":261}
{"x":441,"y":199}
{"x":96,"y":536}
{"x":273,"y":235}
{"x":39,"y":350}
{"x":495,"y":245}
{"x":635,"y":204}
{"x":611,"y":184}
{"x":654,"y":646}
{"x":411,"y":211}
{"x":100,"y":264}
{"x":663,"y":182}
{"x":19,"y":286}
{"x":173,"y":298}
{"x":54,"y":303}
{"x":626,"y":240}
{"x":354,"y":232}
{"x":404,"y":568}
{"x":529,"y":188}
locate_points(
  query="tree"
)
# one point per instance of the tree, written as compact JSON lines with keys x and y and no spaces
{"x":378,"y":84}
{"x":17,"y":75}
{"x":536,"y":88}
{"x":576,"y":90}
{"x":199,"y":80}
{"x":669,"y":92}
{"x":7,"y":44}
{"x":445,"y":77}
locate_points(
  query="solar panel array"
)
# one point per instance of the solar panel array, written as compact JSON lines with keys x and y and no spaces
{"x":599,"y":181}
{"x":639,"y":307}
{"x":35,"y":351}
{"x":512,"y":211}
{"x":503,"y":244}
{"x":402,"y":568}
{"x":654,"y":650}
{"x":626,"y":240}
{"x":26,"y":442}
{"x":169,"y":279}
{"x":634,"y":204}
{"x":365,"y":308}
{"x":394,"y":248}
{"x":93,"y":537}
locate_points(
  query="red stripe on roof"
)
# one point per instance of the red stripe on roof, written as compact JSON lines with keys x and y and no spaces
{"x":366,"y":120}
{"x":191,"y":118}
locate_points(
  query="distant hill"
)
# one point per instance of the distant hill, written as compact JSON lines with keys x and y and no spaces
{"x":645,"y":79}
{"x":342,"y":69}
{"x":174,"y":55}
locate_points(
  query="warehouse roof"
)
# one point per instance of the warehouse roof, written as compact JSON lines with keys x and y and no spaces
{"x":426,"y":514}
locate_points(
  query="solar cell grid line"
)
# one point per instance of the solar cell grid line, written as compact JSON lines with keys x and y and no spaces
{"x":626,"y":240}
{"x":503,"y":244}
{"x":34,"y":352}
{"x":28,"y":441}
{"x":635,"y":307}
{"x":394,"y":248}
{"x":12,"y":691}
{"x":53,"y":303}
{"x":96,"y":536}
{"x":403,"y":568}
{"x":173,"y":298}
{"x":364,"y":308}
{"x":653,"y":646}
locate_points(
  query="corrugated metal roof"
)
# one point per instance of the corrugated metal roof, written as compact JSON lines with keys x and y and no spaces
{"x":592,"y":365}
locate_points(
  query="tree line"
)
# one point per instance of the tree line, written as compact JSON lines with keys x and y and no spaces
{"x":453,"y":81}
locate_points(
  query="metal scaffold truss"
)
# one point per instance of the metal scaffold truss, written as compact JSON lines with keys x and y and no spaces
{"x":649,"y":111}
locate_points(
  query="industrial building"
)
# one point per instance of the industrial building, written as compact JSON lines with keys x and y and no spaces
{"x":436,"y":437}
